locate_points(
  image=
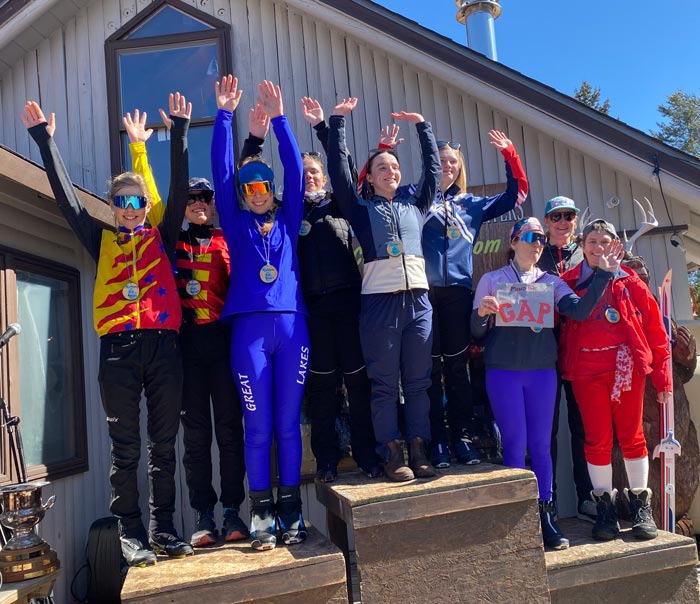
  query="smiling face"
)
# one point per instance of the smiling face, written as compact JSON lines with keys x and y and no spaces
{"x":259,"y":202}
{"x":129,"y":218}
{"x":384,"y":174}
{"x":314,"y":178}
{"x":200,"y":211}
{"x":561,"y":226}
{"x":595,"y":245}
{"x":451,"y":169}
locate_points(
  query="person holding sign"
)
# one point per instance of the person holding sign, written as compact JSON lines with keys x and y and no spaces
{"x":607,"y":357}
{"x":270,"y":341}
{"x":395,"y":314}
{"x":451,"y":228}
{"x":514,"y":308}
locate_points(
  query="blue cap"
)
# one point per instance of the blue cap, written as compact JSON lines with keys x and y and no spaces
{"x":560,"y":203}
{"x":200,"y":184}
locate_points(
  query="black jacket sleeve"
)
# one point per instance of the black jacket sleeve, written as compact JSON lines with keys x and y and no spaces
{"x":179,"y":186}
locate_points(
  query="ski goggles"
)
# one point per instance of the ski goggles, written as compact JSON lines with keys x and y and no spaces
{"x":557,"y":216}
{"x":257,"y":187}
{"x":137,"y":202}
{"x":533,"y":237}
{"x":203,"y":196}
{"x":450,"y":144}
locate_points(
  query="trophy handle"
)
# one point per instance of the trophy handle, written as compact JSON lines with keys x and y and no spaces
{"x":49,"y":503}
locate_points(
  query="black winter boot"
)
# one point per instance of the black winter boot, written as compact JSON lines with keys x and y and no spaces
{"x":606,"y":527}
{"x":289,"y":518}
{"x":551,"y":534}
{"x":262,"y":520}
{"x":643,"y":526}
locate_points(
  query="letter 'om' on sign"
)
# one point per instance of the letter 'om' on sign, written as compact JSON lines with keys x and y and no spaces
{"x":525,"y":305}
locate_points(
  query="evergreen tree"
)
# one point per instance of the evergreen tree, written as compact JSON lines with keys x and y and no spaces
{"x":682,"y":130}
{"x":590,"y":96}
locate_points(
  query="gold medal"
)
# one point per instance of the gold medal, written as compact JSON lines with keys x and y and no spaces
{"x":305,"y":228}
{"x":612,"y":315}
{"x":453,"y":233}
{"x":268,"y":273}
{"x":536,"y":328}
{"x":130,"y":291}
{"x":193,"y":287}
{"x":394,"y":248}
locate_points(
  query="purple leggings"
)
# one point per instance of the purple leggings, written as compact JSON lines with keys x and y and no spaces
{"x":523,"y":406}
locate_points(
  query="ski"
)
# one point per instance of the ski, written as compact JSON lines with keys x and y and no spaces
{"x":668,"y":447}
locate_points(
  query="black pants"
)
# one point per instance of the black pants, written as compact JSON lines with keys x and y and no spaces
{"x":145,"y":360}
{"x":335,"y":343}
{"x":581,"y":477}
{"x":452,"y":307}
{"x":208,"y":383}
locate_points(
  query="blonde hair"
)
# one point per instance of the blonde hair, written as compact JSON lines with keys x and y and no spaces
{"x":461,"y":180}
{"x":127,"y":179}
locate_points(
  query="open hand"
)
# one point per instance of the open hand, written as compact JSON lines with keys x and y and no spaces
{"x":388,"y":137}
{"x":258,"y":121}
{"x":499,"y":139}
{"x":664,"y":397}
{"x":270,"y":97}
{"x":414,"y":118}
{"x":345,"y":106}
{"x":611,"y":258}
{"x":33,"y":116}
{"x":136,"y":128}
{"x":312,"y":110}
{"x":227,"y":94}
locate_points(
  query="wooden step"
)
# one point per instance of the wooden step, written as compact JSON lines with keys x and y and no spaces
{"x":310,"y":572}
{"x":471,"y":534}
{"x":659,"y":571}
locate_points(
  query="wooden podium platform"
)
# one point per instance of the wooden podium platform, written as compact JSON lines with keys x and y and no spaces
{"x":23,"y":591}
{"x":470,"y":535}
{"x":660,"y":571}
{"x":312,"y":572}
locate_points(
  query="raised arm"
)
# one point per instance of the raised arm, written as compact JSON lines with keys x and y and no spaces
{"x":517,"y":186}
{"x":138,"y":135}
{"x":258,"y":127}
{"x":339,"y":171}
{"x":83,"y":225}
{"x":180,"y":111}
{"x":223,"y":160}
{"x":432,"y":172}
{"x":270,"y":97}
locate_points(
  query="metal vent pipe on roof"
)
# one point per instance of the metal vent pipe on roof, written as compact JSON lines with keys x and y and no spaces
{"x":479,"y":16}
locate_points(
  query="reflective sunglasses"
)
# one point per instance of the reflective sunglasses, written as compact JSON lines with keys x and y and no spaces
{"x":450,"y":144}
{"x":259,"y":187}
{"x":203,"y":196}
{"x":557,"y":216}
{"x":137,"y":202}
{"x":312,"y":154}
{"x":532,"y":237}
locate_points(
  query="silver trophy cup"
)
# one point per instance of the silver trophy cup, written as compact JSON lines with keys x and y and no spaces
{"x":22,"y":510}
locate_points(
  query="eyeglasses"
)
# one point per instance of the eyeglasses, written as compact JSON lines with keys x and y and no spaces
{"x":203,"y":196}
{"x":557,"y":216}
{"x":257,"y":187}
{"x":532,"y":237}
{"x":312,"y":154}
{"x":450,"y":144}
{"x":137,"y":202}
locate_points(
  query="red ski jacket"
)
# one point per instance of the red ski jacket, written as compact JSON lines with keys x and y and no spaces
{"x":640,"y":327}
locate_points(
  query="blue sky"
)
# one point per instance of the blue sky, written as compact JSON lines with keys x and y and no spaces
{"x":636,"y":52}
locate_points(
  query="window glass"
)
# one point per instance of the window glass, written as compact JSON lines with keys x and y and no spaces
{"x":158,"y":146}
{"x":149,"y":75}
{"x":48,"y":400}
{"x":168,"y":21}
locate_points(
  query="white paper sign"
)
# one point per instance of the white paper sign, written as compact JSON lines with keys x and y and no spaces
{"x":525,"y":305}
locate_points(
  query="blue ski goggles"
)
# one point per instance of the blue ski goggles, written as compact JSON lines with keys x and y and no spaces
{"x":532,"y":237}
{"x":137,"y":202}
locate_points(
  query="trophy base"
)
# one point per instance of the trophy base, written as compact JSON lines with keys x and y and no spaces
{"x":28,"y":563}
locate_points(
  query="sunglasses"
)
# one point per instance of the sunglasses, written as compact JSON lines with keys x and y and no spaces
{"x":203,"y":196}
{"x":312,"y":154}
{"x":557,"y":216}
{"x":137,"y":202}
{"x":450,"y":144}
{"x":257,"y":187}
{"x":532,"y":237}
